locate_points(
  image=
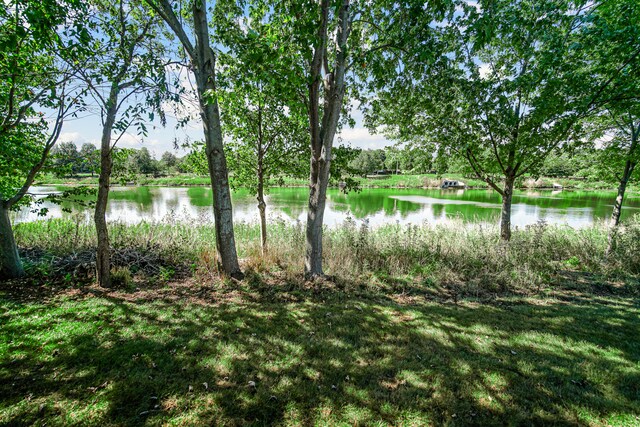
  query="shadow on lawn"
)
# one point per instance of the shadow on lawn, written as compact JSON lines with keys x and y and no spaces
{"x":339,"y":361}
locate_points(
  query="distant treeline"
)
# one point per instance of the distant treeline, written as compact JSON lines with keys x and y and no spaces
{"x":69,"y":161}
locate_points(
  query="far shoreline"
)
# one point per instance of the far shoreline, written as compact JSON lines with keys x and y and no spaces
{"x":400,"y":182}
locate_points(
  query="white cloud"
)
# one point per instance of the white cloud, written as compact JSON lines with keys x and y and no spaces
{"x":70,"y":136}
{"x":129,"y":140}
{"x":474,"y":3}
{"x":603,"y":140}
{"x":361,"y":137}
{"x":76,"y":137}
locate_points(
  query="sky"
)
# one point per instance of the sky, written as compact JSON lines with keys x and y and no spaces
{"x":88,"y":128}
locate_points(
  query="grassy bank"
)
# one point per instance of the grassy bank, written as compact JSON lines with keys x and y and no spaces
{"x":168,"y":181}
{"x":444,"y":261}
{"x":420,"y":326}
{"x":389,"y":181}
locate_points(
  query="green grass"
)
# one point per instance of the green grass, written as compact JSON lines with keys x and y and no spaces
{"x":429,"y":325}
{"x":324,"y":359}
{"x":168,"y":181}
{"x":399,"y":181}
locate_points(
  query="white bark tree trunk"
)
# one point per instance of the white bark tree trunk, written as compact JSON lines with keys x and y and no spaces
{"x":323,"y":130}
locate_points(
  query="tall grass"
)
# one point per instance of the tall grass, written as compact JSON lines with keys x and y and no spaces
{"x":457,"y":258}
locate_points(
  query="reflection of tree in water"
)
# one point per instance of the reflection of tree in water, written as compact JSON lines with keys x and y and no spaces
{"x":200,"y":196}
{"x":470,"y":212}
{"x":290,"y":201}
{"x":244,"y":203}
{"x":371,"y":201}
{"x":172,"y":201}
{"x":594,"y":204}
{"x":139,"y":195}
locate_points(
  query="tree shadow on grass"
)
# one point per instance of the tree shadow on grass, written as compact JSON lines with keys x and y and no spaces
{"x":332,"y":360}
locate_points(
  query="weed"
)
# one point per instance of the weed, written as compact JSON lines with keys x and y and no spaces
{"x":468,"y":256}
{"x":121,"y":278}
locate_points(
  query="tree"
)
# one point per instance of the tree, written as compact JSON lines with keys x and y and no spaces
{"x":127,"y":81}
{"x":34,"y":36}
{"x":203,"y":63}
{"x":141,"y":162}
{"x":510,"y":89}
{"x":368,"y":161}
{"x":169,"y":160}
{"x":196,"y":161}
{"x":331,"y":55}
{"x":621,"y":154}
{"x":331,"y":37}
{"x":261,"y":111}
{"x":89,"y":158}
{"x":65,"y":159}
{"x":613,"y":40}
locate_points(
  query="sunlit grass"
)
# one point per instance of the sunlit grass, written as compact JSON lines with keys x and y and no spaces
{"x":108,"y":361}
{"x":398,"y":337}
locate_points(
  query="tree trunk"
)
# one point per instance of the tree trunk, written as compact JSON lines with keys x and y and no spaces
{"x":622,"y":187}
{"x":262,"y":207}
{"x":222,"y":209}
{"x":10,"y":263}
{"x":103,"y":251}
{"x":323,"y":130}
{"x":318,"y":183}
{"x":505,"y":217}
{"x":617,"y":206}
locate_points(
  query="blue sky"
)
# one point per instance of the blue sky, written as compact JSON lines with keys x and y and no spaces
{"x":160,"y":139}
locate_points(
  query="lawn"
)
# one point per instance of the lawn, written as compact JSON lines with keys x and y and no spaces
{"x":420,"y":325}
{"x":226,"y":354}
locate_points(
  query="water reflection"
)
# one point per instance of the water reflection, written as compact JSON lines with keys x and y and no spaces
{"x":378,"y":206}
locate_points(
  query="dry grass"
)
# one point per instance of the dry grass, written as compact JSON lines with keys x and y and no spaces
{"x":455,"y":259}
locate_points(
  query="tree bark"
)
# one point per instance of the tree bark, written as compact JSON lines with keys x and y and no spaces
{"x":617,"y":206}
{"x":319,"y":180}
{"x":505,"y":216}
{"x":204,"y":70}
{"x":103,"y":251}
{"x":622,"y":187}
{"x":262,"y":207}
{"x":629,"y":166}
{"x":10,"y":263}
{"x":323,"y":130}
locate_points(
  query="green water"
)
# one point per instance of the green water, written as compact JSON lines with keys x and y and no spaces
{"x":377,"y":206}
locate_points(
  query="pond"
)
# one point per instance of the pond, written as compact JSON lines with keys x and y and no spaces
{"x":377,"y":206}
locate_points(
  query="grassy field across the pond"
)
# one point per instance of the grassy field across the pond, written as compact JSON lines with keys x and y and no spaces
{"x":383,"y":181}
